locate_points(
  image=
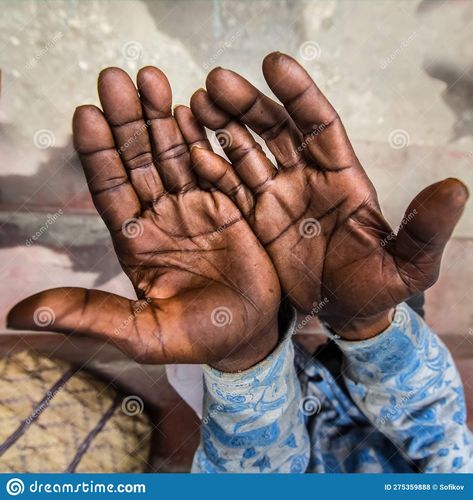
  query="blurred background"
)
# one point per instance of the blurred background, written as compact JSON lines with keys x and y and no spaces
{"x":400,"y":74}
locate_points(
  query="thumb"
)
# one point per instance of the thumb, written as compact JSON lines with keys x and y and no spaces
{"x":74,"y":310}
{"x":426,"y":227}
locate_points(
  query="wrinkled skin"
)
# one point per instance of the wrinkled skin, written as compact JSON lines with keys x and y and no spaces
{"x":207,"y":291}
{"x":317,"y":213}
{"x":195,"y":263}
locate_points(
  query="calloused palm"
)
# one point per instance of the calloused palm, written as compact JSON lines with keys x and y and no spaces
{"x":207,"y":291}
{"x":317,"y":213}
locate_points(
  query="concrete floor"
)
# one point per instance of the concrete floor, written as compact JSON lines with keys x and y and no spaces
{"x":399,"y":73}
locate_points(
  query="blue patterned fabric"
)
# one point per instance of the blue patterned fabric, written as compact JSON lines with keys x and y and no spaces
{"x":252,"y":421}
{"x":395,"y":405}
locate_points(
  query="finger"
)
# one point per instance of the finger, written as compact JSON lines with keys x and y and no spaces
{"x":246,"y":155}
{"x":122,"y":108}
{"x":218,"y":172}
{"x":270,"y":120}
{"x":323,"y":133}
{"x":193,"y":132}
{"x":149,"y":331}
{"x":172,"y":153}
{"x":80,"y":311}
{"x":194,"y":135}
{"x":425,"y":229}
{"x":113,"y":195}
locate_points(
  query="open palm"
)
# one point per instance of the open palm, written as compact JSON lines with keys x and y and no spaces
{"x":207,"y":291}
{"x":317,"y":213}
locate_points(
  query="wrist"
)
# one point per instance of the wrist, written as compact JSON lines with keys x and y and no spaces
{"x":245,"y":434}
{"x":360,"y":328}
{"x":262,"y":344}
{"x":252,"y":349}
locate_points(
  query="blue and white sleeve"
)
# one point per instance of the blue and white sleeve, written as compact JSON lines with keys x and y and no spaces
{"x":252,"y":420}
{"x":405,"y":381}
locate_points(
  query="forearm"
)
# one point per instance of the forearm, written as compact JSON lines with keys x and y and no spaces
{"x":252,"y":420}
{"x":406,"y":383}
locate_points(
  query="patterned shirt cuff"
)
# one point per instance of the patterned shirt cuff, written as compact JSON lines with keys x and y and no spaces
{"x":252,"y":420}
{"x":390,"y":352}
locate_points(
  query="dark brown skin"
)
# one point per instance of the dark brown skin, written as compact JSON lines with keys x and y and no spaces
{"x":317,"y":213}
{"x":207,"y":291}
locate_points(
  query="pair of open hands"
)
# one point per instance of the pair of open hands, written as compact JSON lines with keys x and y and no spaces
{"x":212,"y":246}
